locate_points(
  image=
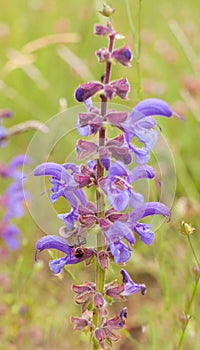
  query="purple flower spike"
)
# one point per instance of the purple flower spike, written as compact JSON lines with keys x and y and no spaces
{"x":130,"y":286}
{"x":58,"y":243}
{"x":122,"y":55}
{"x":85,"y":91}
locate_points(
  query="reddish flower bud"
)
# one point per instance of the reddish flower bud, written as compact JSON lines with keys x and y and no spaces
{"x":98,"y":301}
{"x":109,"y":91}
{"x":100,"y":334}
{"x":79,"y":322}
{"x":102,"y":30}
{"x":103,"y":259}
{"x":103,"y":55}
{"x":121,"y":87}
{"x":85,"y":91}
{"x":88,"y":286}
{"x":107,"y":10}
{"x":84,"y":321}
{"x":85,"y":148}
{"x":122,"y":55}
{"x":115,"y":292}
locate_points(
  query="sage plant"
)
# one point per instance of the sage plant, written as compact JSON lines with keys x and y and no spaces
{"x":114,"y":216}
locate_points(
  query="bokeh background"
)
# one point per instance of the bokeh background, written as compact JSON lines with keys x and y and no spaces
{"x":47,"y":49}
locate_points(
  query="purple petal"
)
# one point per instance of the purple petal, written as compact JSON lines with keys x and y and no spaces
{"x":150,"y":208}
{"x":11,"y":236}
{"x":135,"y":199}
{"x":119,"y":201}
{"x":57,"y":265}
{"x":19,"y":161}
{"x":120,"y":251}
{"x":53,"y":242}
{"x":142,"y":155}
{"x":117,"y":169}
{"x":141,"y":172}
{"x":83,"y":130}
{"x":120,"y":230}
{"x":52,"y":169}
{"x":69,"y":218}
{"x":130,"y":286}
{"x":154,"y":106}
{"x":143,"y":230}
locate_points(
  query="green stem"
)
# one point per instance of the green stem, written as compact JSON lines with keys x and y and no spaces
{"x":193,"y":252}
{"x":187,"y":313}
{"x":100,"y":273}
{"x":191,"y":301}
{"x":138,"y":44}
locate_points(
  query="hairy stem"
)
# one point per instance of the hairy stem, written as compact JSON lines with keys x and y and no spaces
{"x":100,"y":273}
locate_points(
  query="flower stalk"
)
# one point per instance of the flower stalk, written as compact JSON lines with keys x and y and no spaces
{"x":116,"y":213}
{"x":187,"y":230}
{"x":100,"y":273}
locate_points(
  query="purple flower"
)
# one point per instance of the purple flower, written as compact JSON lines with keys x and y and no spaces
{"x":147,"y":209}
{"x":117,"y":185}
{"x":13,"y":200}
{"x":115,"y":235}
{"x":122,"y":55}
{"x":140,"y":123}
{"x":63,"y":182}
{"x":10,"y":234}
{"x":130,"y":286}
{"x":3,"y":133}
{"x":69,"y":218}
{"x":4,"y":114}
{"x":58,"y":243}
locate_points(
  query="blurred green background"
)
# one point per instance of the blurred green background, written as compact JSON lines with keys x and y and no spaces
{"x":47,"y":49}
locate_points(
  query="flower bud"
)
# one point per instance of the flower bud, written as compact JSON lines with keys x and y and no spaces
{"x":115,"y":291}
{"x":121,"y":88}
{"x":102,"y":30}
{"x":186,"y":229}
{"x":122,"y":55}
{"x":123,"y":315}
{"x":84,"y":321}
{"x":87,"y":90}
{"x":98,"y":301}
{"x":107,"y":10}
{"x":79,"y":322}
{"x":85,"y":148}
{"x":103,"y":259}
{"x":103,"y":55}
